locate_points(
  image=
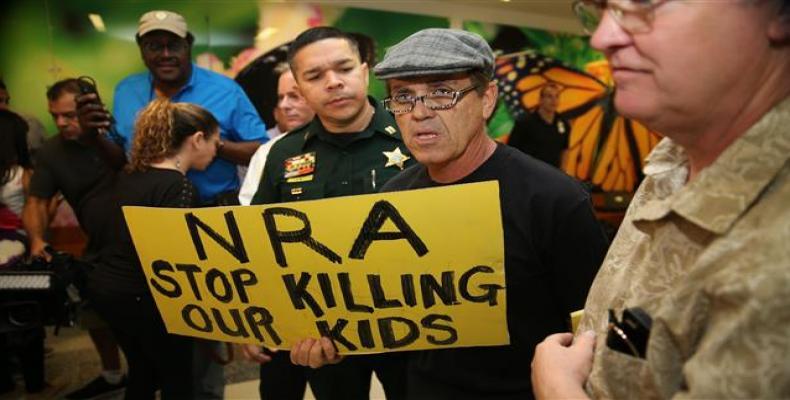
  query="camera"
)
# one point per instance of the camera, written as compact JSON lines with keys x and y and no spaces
{"x":87,"y":85}
{"x":41,"y":293}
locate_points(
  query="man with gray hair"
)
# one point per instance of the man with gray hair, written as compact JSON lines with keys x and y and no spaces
{"x":441,"y":93}
{"x":703,"y":251}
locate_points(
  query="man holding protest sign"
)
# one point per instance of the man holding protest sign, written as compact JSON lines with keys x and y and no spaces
{"x":441,"y":95}
{"x":352,"y":147}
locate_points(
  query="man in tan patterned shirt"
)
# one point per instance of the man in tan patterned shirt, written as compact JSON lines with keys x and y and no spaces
{"x":705,"y":246}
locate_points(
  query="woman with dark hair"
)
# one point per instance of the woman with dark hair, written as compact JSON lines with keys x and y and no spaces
{"x":170,"y":139}
{"x":15,"y":170}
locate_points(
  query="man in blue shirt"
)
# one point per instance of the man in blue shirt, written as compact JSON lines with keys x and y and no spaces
{"x":166,"y":47}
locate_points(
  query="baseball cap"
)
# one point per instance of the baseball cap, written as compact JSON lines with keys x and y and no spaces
{"x":161,"y":20}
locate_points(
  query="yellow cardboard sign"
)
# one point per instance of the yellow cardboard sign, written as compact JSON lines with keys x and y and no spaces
{"x":409,"y":270}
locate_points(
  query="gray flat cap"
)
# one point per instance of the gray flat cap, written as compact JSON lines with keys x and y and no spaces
{"x":436,"y":51}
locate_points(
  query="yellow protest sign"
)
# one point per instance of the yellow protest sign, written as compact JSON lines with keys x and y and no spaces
{"x":395,"y":271}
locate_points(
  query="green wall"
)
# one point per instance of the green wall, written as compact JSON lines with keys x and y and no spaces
{"x":33,"y":56}
{"x":39,"y":50}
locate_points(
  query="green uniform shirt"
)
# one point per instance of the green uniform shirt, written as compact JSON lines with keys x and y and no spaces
{"x":311,"y":163}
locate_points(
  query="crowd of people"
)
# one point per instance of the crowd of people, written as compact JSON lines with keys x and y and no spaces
{"x":689,"y":301}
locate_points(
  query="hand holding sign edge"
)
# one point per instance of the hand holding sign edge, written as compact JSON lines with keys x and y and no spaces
{"x":315,"y":353}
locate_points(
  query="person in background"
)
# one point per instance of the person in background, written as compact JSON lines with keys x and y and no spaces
{"x":165,"y":45}
{"x":542,"y":133}
{"x":291,"y":112}
{"x":166,"y":49}
{"x":35,"y":132}
{"x":170,"y":139}
{"x":74,"y":162}
{"x":351,"y":147}
{"x":692,"y":299}
{"x":15,"y":169}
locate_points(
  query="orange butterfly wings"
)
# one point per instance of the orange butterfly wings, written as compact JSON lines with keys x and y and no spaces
{"x":603,"y":148}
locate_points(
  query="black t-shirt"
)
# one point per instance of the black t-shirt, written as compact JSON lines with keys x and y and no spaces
{"x":540,"y":139}
{"x":70,"y":167}
{"x":553,"y":248}
{"x":117,"y":268}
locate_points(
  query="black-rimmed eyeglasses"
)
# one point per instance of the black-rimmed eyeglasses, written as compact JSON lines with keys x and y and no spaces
{"x":441,"y":99}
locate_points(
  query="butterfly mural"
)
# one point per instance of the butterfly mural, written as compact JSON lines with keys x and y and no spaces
{"x":604,"y":148}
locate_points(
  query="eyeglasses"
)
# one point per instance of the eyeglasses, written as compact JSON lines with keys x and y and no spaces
{"x":158,"y":48}
{"x":440,"y":99}
{"x":634,"y":16}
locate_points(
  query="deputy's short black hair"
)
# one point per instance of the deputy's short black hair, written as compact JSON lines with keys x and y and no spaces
{"x":316,"y":34}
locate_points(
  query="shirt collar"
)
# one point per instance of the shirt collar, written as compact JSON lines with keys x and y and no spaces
{"x":190,"y":82}
{"x":723,"y":191}
{"x":382,"y":123}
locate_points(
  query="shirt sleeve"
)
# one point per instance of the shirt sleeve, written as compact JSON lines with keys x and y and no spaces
{"x":566,"y":133}
{"x":123,"y":113}
{"x":254,"y":172}
{"x":42,"y":183}
{"x":267,"y":189}
{"x":247,"y":124}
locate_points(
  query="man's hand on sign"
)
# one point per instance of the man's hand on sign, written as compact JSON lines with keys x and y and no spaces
{"x":315,"y":353}
{"x":255,"y":353}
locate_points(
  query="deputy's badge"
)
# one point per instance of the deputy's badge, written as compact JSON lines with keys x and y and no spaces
{"x":390,"y":129}
{"x":395,"y":157}
{"x":302,"y":164}
{"x":560,"y":127}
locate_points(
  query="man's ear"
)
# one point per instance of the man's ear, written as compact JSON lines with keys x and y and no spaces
{"x":365,"y":73}
{"x":490,"y":97}
{"x":779,"y":28}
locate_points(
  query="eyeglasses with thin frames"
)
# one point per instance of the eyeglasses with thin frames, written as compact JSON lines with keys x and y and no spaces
{"x":634,"y":16}
{"x":436,"y":100}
